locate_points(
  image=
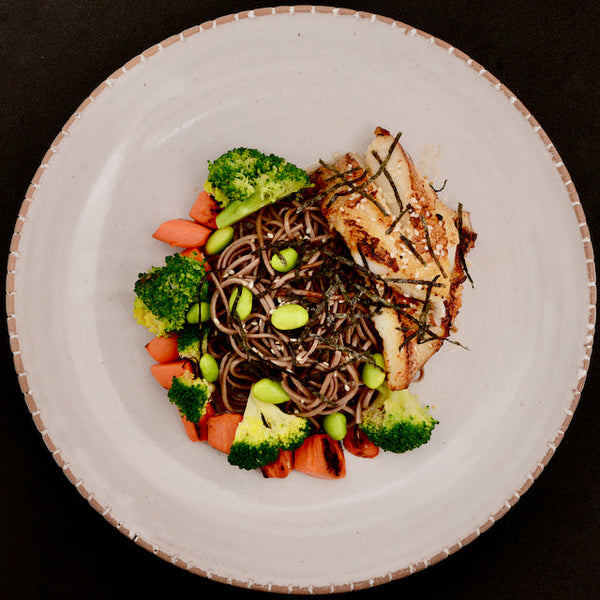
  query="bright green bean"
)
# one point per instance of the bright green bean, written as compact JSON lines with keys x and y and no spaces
{"x":219,"y":240}
{"x":335,"y":425}
{"x":193,"y":314}
{"x":209,"y":367}
{"x":374,"y":376}
{"x":289,"y":316}
{"x":204,"y":312}
{"x":268,"y":390}
{"x":243,"y":308}
{"x":285,"y":260}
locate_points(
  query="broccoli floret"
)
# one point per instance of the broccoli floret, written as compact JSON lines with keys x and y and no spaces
{"x":190,"y":394}
{"x":164,"y":294}
{"x":265,"y":430}
{"x":397,"y":422}
{"x":243,"y":180}
{"x":189,"y":342}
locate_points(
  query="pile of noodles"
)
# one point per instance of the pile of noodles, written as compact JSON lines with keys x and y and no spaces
{"x":318,"y":364}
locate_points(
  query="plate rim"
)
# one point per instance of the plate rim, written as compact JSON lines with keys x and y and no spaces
{"x":11,"y":292}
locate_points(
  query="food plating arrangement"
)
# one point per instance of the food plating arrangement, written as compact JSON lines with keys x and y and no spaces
{"x":300,"y":306}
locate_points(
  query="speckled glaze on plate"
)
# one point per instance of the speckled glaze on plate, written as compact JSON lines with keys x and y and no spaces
{"x":307,"y":83}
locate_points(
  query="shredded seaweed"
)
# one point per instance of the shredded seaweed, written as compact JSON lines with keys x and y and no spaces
{"x":352,"y":188}
{"x":443,"y":186}
{"x":414,"y":251}
{"x":430,"y":246}
{"x":389,"y":178}
{"x":462,"y":244}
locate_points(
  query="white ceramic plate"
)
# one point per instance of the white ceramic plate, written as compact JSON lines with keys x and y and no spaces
{"x":304,"y":83}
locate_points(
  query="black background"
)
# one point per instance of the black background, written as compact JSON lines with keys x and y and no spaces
{"x":52,"y":55}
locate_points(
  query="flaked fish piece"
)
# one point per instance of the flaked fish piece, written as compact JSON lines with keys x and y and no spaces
{"x":395,"y":225}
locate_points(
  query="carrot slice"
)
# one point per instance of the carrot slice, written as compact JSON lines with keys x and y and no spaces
{"x":198,"y":432}
{"x":205,"y":210}
{"x":202,"y":424}
{"x":321,"y":456}
{"x":357,"y":443}
{"x":164,"y":372}
{"x":182,"y":233}
{"x":221,"y":430}
{"x":197,"y":255}
{"x":190,"y":429}
{"x":163,"y":348}
{"x":281,"y":467}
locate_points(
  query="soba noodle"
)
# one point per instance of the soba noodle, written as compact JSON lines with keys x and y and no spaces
{"x":317,"y":365}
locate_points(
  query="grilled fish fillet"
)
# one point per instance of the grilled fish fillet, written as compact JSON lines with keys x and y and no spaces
{"x":394,"y":224}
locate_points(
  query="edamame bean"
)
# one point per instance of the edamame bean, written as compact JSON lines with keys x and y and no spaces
{"x":289,"y":316}
{"x":335,"y":425}
{"x":219,"y":240}
{"x":243,"y":305}
{"x":267,"y":390}
{"x":209,"y":367}
{"x":204,"y":312}
{"x":193,"y":314}
{"x":285,"y":260}
{"x":374,"y":376}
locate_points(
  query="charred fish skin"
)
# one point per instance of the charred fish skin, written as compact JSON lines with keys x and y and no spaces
{"x":393,"y":223}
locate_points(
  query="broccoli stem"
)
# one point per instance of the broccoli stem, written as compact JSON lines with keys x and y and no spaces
{"x":235,"y":211}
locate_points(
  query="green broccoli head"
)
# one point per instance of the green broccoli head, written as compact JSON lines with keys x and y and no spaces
{"x":190,"y":394}
{"x":164,"y":294}
{"x":397,"y":422}
{"x":243,"y":180}
{"x":265,"y":430}
{"x":189,"y":342}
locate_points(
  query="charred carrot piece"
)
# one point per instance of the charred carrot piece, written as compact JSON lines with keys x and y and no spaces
{"x":164,"y":372}
{"x":321,"y":456}
{"x":182,"y":233}
{"x":205,"y":210}
{"x":281,"y":467}
{"x":221,"y":430}
{"x":357,"y":443}
{"x":163,"y":349}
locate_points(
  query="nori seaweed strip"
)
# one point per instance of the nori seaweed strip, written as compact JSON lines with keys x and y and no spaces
{"x":366,"y":271}
{"x":340,"y":184}
{"x":329,"y":341}
{"x":370,"y":274}
{"x":318,"y":309}
{"x":389,"y":178}
{"x":443,"y":186}
{"x":396,"y":221}
{"x":424,"y":312}
{"x":352,"y":170}
{"x":415,"y":281}
{"x":350,"y":302}
{"x":378,"y":301}
{"x":383,"y":164}
{"x":360,"y":189}
{"x":407,"y":338}
{"x":430,"y":246}
{"x":393,"y":224}
{"x":410,"y":246}
{"x":355,"y":189}
{"x":461,"y":244}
